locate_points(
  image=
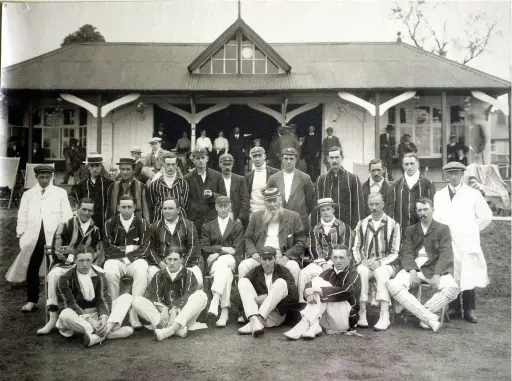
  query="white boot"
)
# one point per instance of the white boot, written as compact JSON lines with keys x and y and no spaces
{"x":314,"y":330}
{"x":246,"y":329}
{"x":300,"y":329}
{"x":362,"y":322}
{"x":120,"y":333}
{"x":182,"y":332}
{"x":241,"y":320}
{"x":164,"y":333}
{"x":257,"y":326}
{"x":92,"y":339}
{"x":431,"y":324}
{"x":50,"y":325}
{"x":214,"y":305}
{"x":383,"y":322}
{"x":223,"y":320}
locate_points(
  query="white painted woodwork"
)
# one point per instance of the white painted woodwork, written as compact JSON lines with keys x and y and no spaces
{"x":358,"y":101}
{"x":118,"y":103}
{"x":93,"y":109}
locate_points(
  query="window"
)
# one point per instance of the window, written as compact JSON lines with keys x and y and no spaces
{"x":239,"y":49}
{"x":457,"y":125}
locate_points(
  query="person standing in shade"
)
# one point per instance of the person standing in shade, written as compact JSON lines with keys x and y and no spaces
{"x":43,"y":207}
{"x":236,"y":189}
{"x":467,"y":213}
{"x":237,"y":149}
{"x":257,"y":178}
{"x":408,"y":189}
{"x":204,"y":142}
{"x":329,"y":141}
{"x":96,"y":187}
{"x":311,"y":151}
{"x":406,"y":146}
{"x":376,"y":183}
{"x":183,"y":148}
{"x":452,"y":148}
{"x":74,"y":156}
{"x":220,"y":147}
{"x":387,"y":149}
{"x":165,"y":142}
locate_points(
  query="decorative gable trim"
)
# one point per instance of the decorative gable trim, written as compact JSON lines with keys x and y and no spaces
{"x":239,"y":24}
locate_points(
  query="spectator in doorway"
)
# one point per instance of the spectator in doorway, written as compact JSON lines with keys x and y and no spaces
{"x":182,"y":149}
{"x":452,"y":148}
{"x":406,"y":146}
{"x":220,"y":147}
{"x":237,"y":144}
{"x":311,"y":153}
{"x":74,"y":158}
{"x":329,"y":141}
{"x":166,"y":142}
{"x":38,"y":154}
{"x":14,"y":150}
{"x":387,"y":149}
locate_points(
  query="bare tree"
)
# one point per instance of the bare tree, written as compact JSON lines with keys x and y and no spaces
{"x":478,"y":31}
{"x":86,"y":33}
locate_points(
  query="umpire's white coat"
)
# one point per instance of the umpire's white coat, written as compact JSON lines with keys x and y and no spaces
{"x":466,"y":215}
{"x":52,"y":208}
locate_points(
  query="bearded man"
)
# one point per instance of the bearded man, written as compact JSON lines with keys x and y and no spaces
{"x":278,"y":228}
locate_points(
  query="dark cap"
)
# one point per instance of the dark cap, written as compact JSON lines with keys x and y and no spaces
{"x":199,"y":152}
{"x":290,"y":151}
{"x":223,"y":200}
{"x":43,"y":168}
{"x":329,"y":129}
{"x":271,"y":193}
{"x":226,"y":158}
{"x":268,"y":251}
{"x":126,"y":160}
{"x":454,"y":166}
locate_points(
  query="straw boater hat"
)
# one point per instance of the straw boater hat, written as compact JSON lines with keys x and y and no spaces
{"x":126,"y":160}
{"x":454,"y":166}
{"x":94,"y":158}
{"x":136,"y":149}
{"x":324,"y":202}
{"x":155,"y":140}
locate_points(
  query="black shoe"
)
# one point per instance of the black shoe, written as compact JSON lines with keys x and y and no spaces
{"x":470,"y":316}
{"x":454,"y":314}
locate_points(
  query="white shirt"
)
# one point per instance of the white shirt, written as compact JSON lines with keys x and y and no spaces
{"x":86,"y":285}
{"x":377,"y":223}
{"x":155,"y":154}
{"x":412,"y":180}
{"x":223,"y":223}
{"x":127,"y":223}
{"x":259,"y":181}
{"x":227,"y":184}
{"x":272,"y":239}
{"x":288,"y":180}
{"x":171,"y":225}
{"x":326,"y":225}
{"x":169,"y":180}
{"x":375,"y":187}
{"x":422,"y":252}
{"x":456,"y":189}
{"x":205,"y":143}
{"x":173,"y":275}
{"x":221,"y":143}
{"x":84,"y":226}
{"x":268,"y":281}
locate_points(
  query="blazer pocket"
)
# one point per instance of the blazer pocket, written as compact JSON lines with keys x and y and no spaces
{"x":435,"y":247}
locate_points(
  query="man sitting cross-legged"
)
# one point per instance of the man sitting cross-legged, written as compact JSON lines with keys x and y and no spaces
{"x":278,"y":228}
{"x":327,"y":233}
{"x":376,"y":248}
{"x":267,"y":293}
{"x":85,"y":304}
{"x":222,"y":245}
{"x":427,"y":257}
{"x":79,"y":230}
{"x":126,"y":251}
{"x":173,"y":300}
{"x":332,"y":299}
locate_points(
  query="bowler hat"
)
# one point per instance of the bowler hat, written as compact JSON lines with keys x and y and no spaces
{"x":126,"y":160}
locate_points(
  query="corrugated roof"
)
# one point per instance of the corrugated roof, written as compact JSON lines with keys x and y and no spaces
{"x":163,"y":67}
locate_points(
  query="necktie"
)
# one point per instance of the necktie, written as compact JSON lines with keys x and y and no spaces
{"x":42,"y":191}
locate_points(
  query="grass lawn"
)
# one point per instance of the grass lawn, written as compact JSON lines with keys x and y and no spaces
{"x":459,"y":351}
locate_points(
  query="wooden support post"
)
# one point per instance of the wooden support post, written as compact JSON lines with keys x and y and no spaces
{"x":192,"y":124}
{"x":445,"y":126}
{"x":377,"y":125}
{"x":509,"y":119}
{"x":98,"y":123}
{"x":30,"y":123}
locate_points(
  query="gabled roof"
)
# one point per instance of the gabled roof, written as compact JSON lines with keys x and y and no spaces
{"x":239,"y":25}
{"x":316,"y":66}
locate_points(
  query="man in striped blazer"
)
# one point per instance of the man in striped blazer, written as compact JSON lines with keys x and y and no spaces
{"x":376,"y":247}
{"x":169,"y":184}
{"x":328,"y":232}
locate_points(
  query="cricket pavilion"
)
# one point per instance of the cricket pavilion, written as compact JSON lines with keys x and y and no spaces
{"x":111,"y":96}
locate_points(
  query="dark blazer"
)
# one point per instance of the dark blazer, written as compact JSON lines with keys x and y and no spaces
{"x":212,"y":241}
{"x":202,"y":208}
{"x":387,"y":193}
{"x":236,"y":146}
{"x":249,"y":177}
{"x":292,"y":239}
{"x":387,"y":148}
{"x":312,"y":146}
{"x":69,"y":293}
{"x":240,"y":199}
{"x":302,"y":194}
{"x":257,"y":278}
{"x":38,"y":156}
{"x":172,"y":293}
{"x":438,"y":245}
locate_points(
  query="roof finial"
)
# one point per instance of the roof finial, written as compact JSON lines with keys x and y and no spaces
{"x":239,"y":9}
{"x":399,"y":37}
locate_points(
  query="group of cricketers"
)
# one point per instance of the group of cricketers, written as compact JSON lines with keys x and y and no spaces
{"x":160,"y":251}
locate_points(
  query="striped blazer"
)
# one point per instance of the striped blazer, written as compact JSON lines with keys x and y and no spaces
{"x":137,"y":191}
{"x":158,"y":191}
{"x":385,"y":241}
{"x":163,"y":291}
{"x":321,"y":243}
{"x":116,"y":239}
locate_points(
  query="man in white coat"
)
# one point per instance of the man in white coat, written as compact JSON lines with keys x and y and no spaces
{"x":466,"y":212}
{"x":42,"y":209}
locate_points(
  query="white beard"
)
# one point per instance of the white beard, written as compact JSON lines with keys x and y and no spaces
{"x":269,"y":216}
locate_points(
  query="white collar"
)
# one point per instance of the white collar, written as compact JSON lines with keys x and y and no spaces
{"x":261,"y":169}
{"x":223,"y":221}
{"x":174,"y":274}
{"x":379,"y":220}
{"x":411,"y":180}
{"x":374,"y":182}
{"x":289,"y":174}
{"x":455,"y":189}
{"x":157,"y":152}
{"x":169,"y":224}
{"x":126,"y":223}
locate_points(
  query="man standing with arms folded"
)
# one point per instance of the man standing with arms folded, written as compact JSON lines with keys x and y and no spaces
{"x":466,"y":212}
{"x":42,"y":208}
{"x":237,"y":149}
{"x":329,"y":141}
{"x":408,"y":189}
{"x":295,"y":187}
{"x":376,"y":247}
{"x":236,"y":190}
{"x":257,"y":178}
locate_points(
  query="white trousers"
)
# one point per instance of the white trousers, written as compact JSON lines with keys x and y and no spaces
{"x":381,"y":275}
{"x":70,"y":322}
{"x":222,"y":271}
{"x":53,"y":279}
{"x":399,"y":288}
{"x":152,"y":270}
{"x":248,"y":264}
{"x":306,"y":275}
{"x":137,"y":270}
{"x":267,"y":309}
{"x":187,"y":315}
{"x":333,"y":316}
